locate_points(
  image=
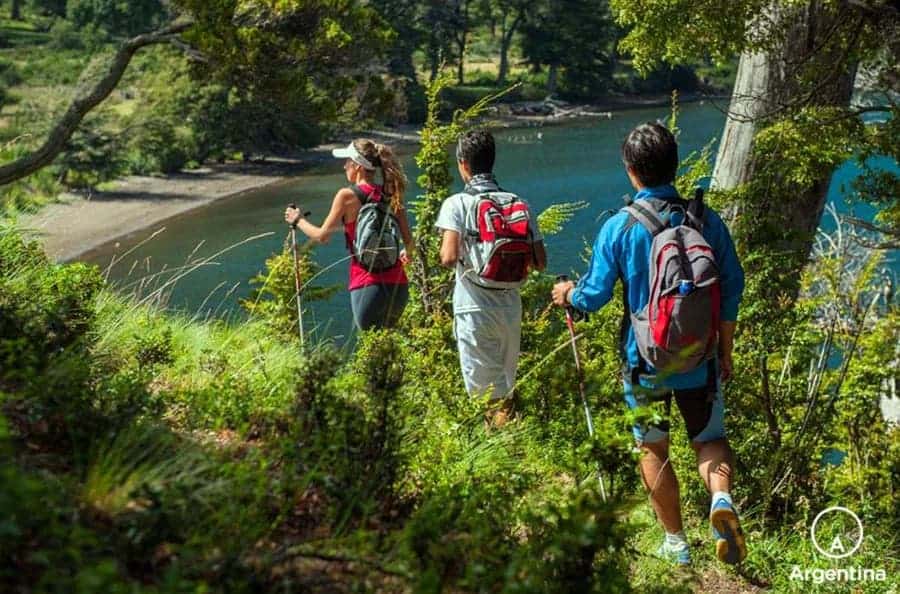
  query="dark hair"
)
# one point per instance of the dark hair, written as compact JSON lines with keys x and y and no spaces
{"x":476,"y":148}
{"x":651,"y":152}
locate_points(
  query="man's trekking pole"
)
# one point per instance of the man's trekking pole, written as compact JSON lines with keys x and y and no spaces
{"x":570,"y":322}
{"x":297,"y":277}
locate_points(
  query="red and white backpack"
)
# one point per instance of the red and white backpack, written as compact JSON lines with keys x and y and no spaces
{"x":498,"y":242}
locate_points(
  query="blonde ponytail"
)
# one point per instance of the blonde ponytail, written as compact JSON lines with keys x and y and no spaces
{"x":395,"y":181}
{"x":381,"y":155}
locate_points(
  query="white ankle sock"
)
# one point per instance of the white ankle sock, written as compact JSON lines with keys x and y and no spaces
{"x":720,"y":495}
{"x":677,"y":538}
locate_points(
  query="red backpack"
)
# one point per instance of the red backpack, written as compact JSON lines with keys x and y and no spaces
{"x":498,"y":243}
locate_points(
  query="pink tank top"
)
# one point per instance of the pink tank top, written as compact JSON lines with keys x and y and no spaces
{"x":359,"y":276}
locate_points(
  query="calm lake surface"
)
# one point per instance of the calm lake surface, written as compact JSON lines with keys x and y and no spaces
{"x":545,"y":165}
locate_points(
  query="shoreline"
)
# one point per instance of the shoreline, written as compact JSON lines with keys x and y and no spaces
{"x":79,"y":224}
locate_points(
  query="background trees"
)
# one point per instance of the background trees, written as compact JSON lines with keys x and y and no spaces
{"x":113,"y":17}
{"x":576,"y":40}
{"x":278,"y":76}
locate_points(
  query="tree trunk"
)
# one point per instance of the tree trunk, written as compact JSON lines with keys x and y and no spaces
{"x":506,"y":36}
{"x":552,"y":78}
{"x":15,"y":12}
{"x":748,"y":103}
{"x":84,"y":103}
{"x":504,"y":64}
{"x":460,"y":66}
{"x":434,"y":56}
{"x":461,"y":39}
{"x":767,"y":88}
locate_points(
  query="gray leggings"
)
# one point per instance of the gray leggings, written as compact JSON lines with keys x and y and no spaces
{"x":378,"y":306}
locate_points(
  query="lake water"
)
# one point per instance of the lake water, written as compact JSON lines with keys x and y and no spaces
{"x":546,"y":165}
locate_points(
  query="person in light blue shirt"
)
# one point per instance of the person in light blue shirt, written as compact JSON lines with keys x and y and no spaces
{"x":622,"y":252}
{"x":487,"y":322}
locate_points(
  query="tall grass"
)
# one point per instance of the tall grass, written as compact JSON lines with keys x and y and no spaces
{"x":144,"y":461}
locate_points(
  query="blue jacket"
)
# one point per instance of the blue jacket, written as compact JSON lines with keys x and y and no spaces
{"x":620,"y":253}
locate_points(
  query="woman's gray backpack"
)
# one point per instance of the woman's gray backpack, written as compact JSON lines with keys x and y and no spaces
{"x":678,"y":329}
{"x":377,"y":243}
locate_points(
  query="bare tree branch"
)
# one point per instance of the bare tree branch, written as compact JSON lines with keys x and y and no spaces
{"x":890,"y":231}
{"x":85,"y":102}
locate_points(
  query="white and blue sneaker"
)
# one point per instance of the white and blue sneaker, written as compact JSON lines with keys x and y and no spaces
{"x":679,"y":554}
{"x":730,"y":545}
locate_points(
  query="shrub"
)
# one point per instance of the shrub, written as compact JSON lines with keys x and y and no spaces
{"x":65,"y":36}
{"x":274,"y":296}
{"x":44,"y":309}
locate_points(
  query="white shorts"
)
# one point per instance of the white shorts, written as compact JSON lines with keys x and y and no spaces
{"x":488,"y":343}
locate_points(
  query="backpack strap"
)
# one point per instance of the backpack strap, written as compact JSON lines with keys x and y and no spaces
{"x":360,"y":195}
{"x":363,"y":200}
{"x":646,"y":216}
{"x":696,"y":210}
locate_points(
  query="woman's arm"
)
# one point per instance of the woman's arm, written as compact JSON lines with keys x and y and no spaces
{"x":404,"y":228}
{"x":332,"y":220}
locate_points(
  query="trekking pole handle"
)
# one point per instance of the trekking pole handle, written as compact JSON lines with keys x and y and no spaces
{"x":305,"y":214}
{"x":561,"y":278}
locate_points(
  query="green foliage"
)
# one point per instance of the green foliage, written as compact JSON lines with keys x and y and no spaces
{"x":659,"y":80}
{"x":9,"y":74}
{"x":578,"y":39}
{"x":212,"y":376}
{"x":274,"y":295}
{"x":552,"y":220}
{"x":43,"y":309}
{"x":117,"y":18}
{"x":175,"y":455}
{"x":880,"y":186}
{"x":302,"y":58}
{"x":683,"y":31}
{"x":581,"y":545}
{"x":64,"y":36}
{"x":799,"y":147}
{"x":50,"y":7}
{"x":93,"y":155}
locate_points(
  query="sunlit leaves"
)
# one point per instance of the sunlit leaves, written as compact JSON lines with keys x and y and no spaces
{"x":681,"y":31}
{"x":555,"y":216}
{"x":808,"y":142}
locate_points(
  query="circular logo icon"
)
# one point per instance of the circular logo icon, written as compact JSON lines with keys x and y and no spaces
{"x":838,"y":542}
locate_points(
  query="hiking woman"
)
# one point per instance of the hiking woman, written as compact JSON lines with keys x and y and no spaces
{"x":377,"y":297}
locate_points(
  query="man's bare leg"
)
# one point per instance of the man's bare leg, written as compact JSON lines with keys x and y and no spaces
{"x":715,"y":461}
{"x":661,"y":482}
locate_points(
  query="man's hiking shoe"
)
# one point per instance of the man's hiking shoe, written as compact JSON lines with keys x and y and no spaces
{"x":730,"y":545}
{"x":679,"y":554}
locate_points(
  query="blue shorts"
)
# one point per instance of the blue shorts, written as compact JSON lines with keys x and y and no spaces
{"x":702,"y":411}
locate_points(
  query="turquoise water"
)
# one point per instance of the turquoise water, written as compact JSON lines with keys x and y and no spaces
{"x":545,"y":165}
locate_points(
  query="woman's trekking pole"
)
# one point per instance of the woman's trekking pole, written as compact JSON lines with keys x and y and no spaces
{"x":297,"y":277}
{"x":570,"y":322}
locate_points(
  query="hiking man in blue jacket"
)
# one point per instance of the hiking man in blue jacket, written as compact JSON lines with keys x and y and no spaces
{"x":622,"y":250}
